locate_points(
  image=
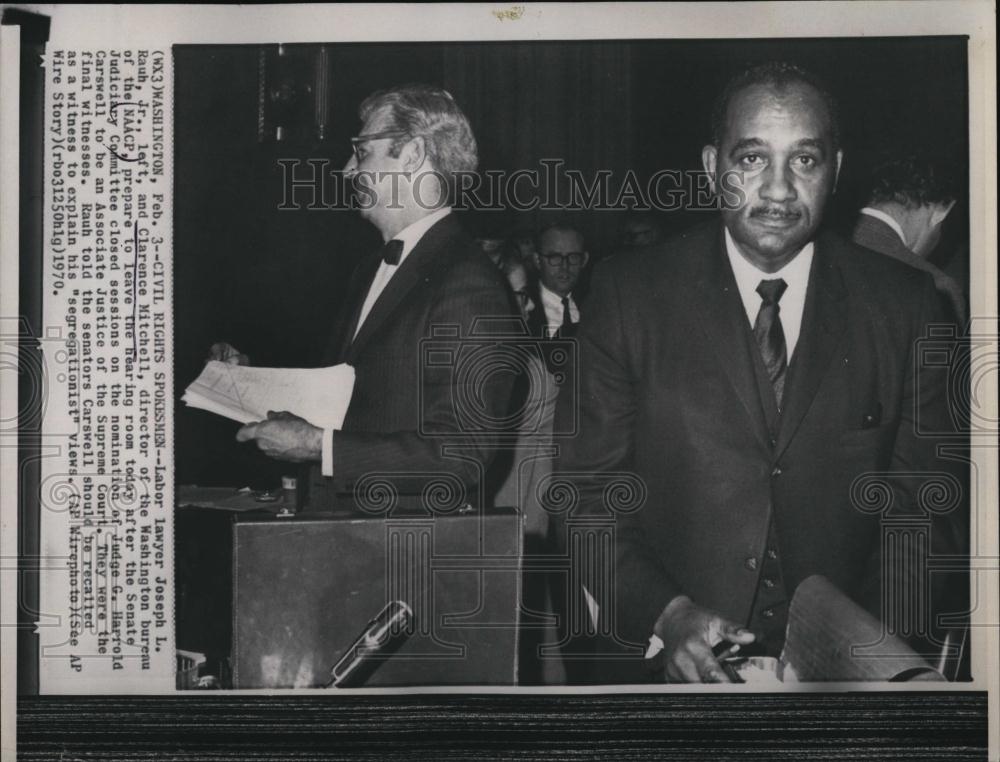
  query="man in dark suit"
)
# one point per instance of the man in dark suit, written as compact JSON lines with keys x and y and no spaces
{"x":910,"y":199}
{"x":747,"y":374}
{"x":407,"y":409}
{"x":560,"y":256}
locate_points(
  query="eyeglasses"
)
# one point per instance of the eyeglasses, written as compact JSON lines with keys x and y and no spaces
{"x":572,"y":259}
{"x":359,"y":140}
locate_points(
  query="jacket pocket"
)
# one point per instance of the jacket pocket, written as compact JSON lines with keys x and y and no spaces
{"x":872,"y":437}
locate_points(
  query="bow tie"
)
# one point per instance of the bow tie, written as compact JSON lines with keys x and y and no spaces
{"x":392,"y":251}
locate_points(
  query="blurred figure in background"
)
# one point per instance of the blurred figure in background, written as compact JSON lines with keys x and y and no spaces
{"x":640,"y":229}
{"x":492,"y":247}
{"x":520,"y":283}
{"x":910,"y":198}
{"x":523,"y":241}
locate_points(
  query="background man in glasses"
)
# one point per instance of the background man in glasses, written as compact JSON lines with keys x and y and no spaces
{"x":428,"y":274}
{"x":560,"y":256}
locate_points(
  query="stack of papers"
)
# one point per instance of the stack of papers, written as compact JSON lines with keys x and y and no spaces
{"x":246,"y":394}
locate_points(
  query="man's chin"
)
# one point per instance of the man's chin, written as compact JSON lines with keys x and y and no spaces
{"x":772,"y":245}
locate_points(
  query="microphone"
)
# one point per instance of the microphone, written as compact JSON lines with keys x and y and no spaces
{"x":381,"y":638}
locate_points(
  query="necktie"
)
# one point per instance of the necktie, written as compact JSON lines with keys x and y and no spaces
{"x":567,"y":323}
{"x":392,"y":251}
{"x":770,"y":337}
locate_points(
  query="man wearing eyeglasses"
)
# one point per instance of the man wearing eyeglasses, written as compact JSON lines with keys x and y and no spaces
{"x":560,"y":257}
{"x":428,"y":275}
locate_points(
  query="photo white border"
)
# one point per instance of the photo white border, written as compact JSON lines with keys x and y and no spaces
{"x":96,"y":26}
{"x":10,"y":72}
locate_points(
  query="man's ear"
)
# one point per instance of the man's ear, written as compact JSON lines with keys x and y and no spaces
{"x":709,"y":157}
{"x":537,"y":260}
{"x":940,"y":212}
{"x":586,"y":258}
{"x":413,"y":154}
{"x":836,"y":172}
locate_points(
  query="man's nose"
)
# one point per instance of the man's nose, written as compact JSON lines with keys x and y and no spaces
{"x":779,"y":185}
{"x":351,"y":166}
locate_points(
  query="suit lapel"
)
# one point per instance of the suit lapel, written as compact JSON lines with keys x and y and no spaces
{"x":430,"y":253}
{"x":359,"y":290}
{"x":727,"y":330}
{"x":823,"y":321}
{"x":347,"y":318}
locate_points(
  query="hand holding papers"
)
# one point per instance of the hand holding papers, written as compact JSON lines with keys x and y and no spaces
{"x":247,"y":394}
{"x":227,"y":353}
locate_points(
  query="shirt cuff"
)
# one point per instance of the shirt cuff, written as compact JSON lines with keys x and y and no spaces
{"x":327,"y":465}
{"x":654,"y":647}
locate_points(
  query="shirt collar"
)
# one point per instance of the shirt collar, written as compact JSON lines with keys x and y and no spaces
{"x":550,"y":297}
{"x":748,"y":277}
{"x":878,"y":214}
{"x":411,"y":234}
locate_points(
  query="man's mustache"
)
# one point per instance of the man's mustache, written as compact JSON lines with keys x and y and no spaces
{"x":775,"y":212}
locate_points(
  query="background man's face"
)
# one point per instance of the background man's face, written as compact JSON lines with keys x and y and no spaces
{"x":491,"y":247}
{"x":639,"y":233}
{"x":559,"y":278}
{"x":781,"y":143}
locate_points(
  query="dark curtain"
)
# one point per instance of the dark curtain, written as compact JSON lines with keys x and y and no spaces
{"x":527,"y":102}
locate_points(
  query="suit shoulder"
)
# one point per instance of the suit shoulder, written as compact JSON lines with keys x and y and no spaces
{"x":874,"y":268}
{"x":892,"y":290}
{"x":471,"y":265}
{"x":669,"y":258}
{"x":460,"y":258}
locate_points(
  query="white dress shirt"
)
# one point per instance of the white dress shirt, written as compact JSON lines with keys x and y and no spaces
{"x":888,"y":219}
{"x":410,"y":236}
{"x":552,"y":304}
{"x":793,"y":301}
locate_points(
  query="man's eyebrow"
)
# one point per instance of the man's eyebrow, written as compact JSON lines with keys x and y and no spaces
{"x":745,"y":143}
{"x":817,"y":143}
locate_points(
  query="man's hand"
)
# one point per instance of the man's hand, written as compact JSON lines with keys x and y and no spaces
{"x":227,"y":353}
{"x":284,"y":436}
{"x":689,"y":632}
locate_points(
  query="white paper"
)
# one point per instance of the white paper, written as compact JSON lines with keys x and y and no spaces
{"x":246,"y":394}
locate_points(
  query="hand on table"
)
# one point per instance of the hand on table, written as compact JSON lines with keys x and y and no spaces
{"x":285,"y":436}
{"x":227,"y":353}
{"x":689,"y":633}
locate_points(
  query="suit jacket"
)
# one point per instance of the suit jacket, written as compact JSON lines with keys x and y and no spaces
{"x":670,"y":393}
{"x":874,"y":234}
{"x":416,"y":418}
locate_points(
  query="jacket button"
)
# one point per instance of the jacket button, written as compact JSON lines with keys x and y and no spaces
{"x":767,"y":613}
{"x":768,"y":583}
{"x":772,"y":554}
{"x":751,"y":563}
{"x":776,"y":471}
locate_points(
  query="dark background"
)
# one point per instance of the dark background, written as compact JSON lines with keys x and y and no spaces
{"x":270,"y":281}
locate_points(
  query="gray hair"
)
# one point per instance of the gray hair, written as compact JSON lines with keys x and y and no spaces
{"x":430,"y":113}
